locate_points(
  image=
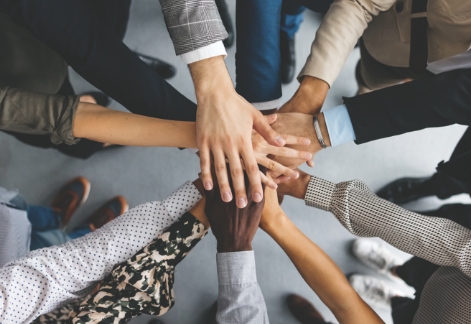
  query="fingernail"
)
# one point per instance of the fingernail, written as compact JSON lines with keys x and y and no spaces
{"x":280,"y":140}
{"x":227,"y":196}
{"x":257,"y":197}
{"x":242,"y":202}
{"x":307,"y":156}
{"x":274,"y":186}
{"x":296,"y":175}
{"x":306,"y":141}
{"x":288,"y":178}
{"x":208,"y":185}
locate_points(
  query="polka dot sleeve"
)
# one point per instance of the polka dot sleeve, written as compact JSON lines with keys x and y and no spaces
{"x":49,"y":278}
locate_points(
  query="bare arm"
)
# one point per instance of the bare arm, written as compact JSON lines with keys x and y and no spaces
{"x":318,"y":270}
{"x":115,"y":127}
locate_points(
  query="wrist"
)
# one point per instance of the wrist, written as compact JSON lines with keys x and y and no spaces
{"x":208,"y":75}
{"x":313,"y":92}
{"x":323,"y":128}
{"x":231,"y":246}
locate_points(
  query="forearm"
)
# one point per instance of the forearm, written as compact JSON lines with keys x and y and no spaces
{"x":360,"y":211}
{"x":444,"y":99}
{"x":208,"y":75}
{"x":110,"y":126}
{"x":321,"y":273}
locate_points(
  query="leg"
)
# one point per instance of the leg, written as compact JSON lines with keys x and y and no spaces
{"x":79,"y":232}
{"x":258,"y":51}
{"x":74,"y":29}
{"x":291,"y":19}
{"x":459,"y":213}
{"x":43,"y":218}
{"x":375,"y":75}
{"x":48,"y":238}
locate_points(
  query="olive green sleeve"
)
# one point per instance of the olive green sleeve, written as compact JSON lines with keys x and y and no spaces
{"x":40,"y":114}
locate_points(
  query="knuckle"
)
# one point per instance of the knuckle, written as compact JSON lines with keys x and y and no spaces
{"x":271,"y":164}
{"x":252,"y":168}
{"x":220,"y":167}
{"x":236,"y":172}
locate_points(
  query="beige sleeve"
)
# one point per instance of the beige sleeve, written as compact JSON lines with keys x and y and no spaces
{"x":40,"y":114}
{"x":438,"y":240}
{"x":342,"y":26}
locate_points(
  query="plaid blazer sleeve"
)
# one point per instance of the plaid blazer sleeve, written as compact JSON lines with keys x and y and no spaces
{"x":192,"y":24}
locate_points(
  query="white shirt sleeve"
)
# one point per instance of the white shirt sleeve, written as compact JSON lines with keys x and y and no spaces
{"x":48,"y":278}
{"x":339,"y":125}
{"x":205,"y":52}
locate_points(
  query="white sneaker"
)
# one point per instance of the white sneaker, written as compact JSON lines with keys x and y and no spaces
{"x":374,"y":292}
{"x":376,"y":256}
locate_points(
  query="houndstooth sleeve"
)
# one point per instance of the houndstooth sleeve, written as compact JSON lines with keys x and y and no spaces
{"x":192,"y":24}
{"x":438,"y":240}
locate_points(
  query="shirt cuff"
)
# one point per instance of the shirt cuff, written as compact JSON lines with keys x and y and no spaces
{"x":205,"y":52}
{"x":236,"y":268}
{"x":319,"y":193}
{"x":267,"y":105}
{"x":339,"y":125}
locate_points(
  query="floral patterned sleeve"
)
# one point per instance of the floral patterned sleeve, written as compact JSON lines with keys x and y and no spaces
{"x":141,"y":285}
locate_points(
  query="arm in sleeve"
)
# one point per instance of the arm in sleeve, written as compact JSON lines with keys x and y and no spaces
{"x":40,"y":114}
{"x":442,"y":100}
{"x":342,"y":26}
{"x":49,"y":278}
{"x":192,"y":24}
{"x":144,"y":283}
{"x":240,"y":299}
{"x":361,"y":212}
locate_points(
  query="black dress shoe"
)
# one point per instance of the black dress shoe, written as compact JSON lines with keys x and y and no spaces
{"x":226,"y":21}
{"x":288,"y":58}
{"x":303,"y":310}
{"x":405,"y":190}
{"x":164,"y":69}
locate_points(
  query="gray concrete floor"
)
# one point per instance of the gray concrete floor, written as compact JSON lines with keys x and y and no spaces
{"x":145,"y":174}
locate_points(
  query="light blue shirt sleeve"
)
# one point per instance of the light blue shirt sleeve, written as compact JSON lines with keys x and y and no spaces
{"x":240,"y":299}
{"x":339,"y":125}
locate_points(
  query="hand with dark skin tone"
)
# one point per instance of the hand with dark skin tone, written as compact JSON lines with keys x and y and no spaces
{"x":233,"y":227}
{"x":309,"y":97}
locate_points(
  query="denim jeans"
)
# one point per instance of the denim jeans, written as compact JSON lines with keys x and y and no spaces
{"x":46,"y":225}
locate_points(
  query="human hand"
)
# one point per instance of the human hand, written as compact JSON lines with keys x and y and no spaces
{"x":262,"y":149}
{"x":272,"y":214}
{"x":309,"y":97}
{"x":296,"y":187}
{"x":224,"y":123}
{"x":298,"y":124}
{"x":234,"y":228}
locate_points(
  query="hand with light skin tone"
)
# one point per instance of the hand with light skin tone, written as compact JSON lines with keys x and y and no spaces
{"x":224,"y":123}
{"x":318,"y":270}
{"x":298,"y":124}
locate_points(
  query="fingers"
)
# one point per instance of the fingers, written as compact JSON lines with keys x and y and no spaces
{"x":253,"y":173}
{"x":296,"y":140}
{"x":289,"y":152}
{"x":221,"y":174}
{"x":277,"y":168}
{"x":237,"y":175}
{"x":281,"y":179}
{"x":205,"y":165}
{"x":268,"y":182}
{"x":263,"y":128}
{"x":310,"y":163}
{"x":271,"y":118}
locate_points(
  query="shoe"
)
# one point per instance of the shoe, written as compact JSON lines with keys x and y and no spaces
{"x":288,"y":58}
{"x":70,"y":198}
{"x":106,"y":213}
{"x":376,"y":256}
{"x":164,"y":69}
{"x":405,"y":190}
{"x":100,"y":98}
{"x":303,"y":310}
{"x":227,"y":22}
{"x":374,"y":292}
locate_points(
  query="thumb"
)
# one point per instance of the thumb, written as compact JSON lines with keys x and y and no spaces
{"x":261,"y":125}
